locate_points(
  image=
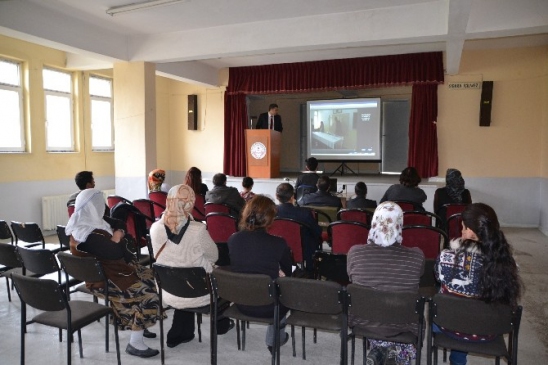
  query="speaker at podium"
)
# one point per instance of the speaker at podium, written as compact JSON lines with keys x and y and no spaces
{"x":263,"y":153}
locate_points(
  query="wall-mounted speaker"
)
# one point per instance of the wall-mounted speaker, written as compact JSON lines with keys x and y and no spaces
{"x":486,"y":103}
{"x":193,"y":112}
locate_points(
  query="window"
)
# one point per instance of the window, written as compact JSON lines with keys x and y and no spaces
{"x":100,"y":91}
{"x":59,"y":125}
{"x":12,"y":138}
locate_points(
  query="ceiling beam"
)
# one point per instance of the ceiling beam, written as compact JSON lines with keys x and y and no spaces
{"x":458,"y":15}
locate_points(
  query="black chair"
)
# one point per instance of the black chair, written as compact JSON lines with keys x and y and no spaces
{"x":330,"y":267}
{"x":386,"y":307}
{"x":316,"y":304}
{"x":48,"y":296}
{"x":467,"y":315}
{"x":244,"y":289}
{"x":12,"y":264}
{"x":5,"y":232}
{"x":32,"y":235}
{"x":64,"y":240}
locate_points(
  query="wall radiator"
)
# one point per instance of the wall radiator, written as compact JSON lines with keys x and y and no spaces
{"x":54,"y":210}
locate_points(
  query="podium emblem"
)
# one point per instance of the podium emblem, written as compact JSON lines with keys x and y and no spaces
{"x":258,"y":150}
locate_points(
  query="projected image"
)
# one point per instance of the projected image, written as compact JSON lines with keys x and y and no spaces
{"x":344,"y":129}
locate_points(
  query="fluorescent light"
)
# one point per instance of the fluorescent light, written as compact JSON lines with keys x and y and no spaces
{"x":139,"y":6}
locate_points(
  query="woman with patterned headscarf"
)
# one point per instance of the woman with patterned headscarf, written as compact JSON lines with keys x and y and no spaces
{"x":384,"y":264}
{"x":179,"y":241}
{"x":155,"y":180}
{"x":453,"y":192}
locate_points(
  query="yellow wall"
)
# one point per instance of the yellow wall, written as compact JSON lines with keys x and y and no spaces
{"x":512,"y":145}
{"x":36,"y":163}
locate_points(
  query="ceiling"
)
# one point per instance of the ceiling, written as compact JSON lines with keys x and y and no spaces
{"x":192,"y":39}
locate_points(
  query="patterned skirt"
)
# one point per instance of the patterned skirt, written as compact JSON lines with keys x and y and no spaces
{"x":138,"y":307}
{"x":405,"y":352}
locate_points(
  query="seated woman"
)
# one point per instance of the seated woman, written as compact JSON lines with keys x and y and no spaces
{"x":478,"y":265}
{"x":384,"y":264}
{"x":156,"y":181}
{"x":453,"y":192}
{"x":254,"y":251}
{"x":193,"y":178}
{"x":247,"y":184}
{"x":178,"y":241}
{"x":132,"y":290}
{"x":408,"y":189}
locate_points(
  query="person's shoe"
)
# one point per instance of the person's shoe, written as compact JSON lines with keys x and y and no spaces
{"x":149,"y":334}
{"x":141,"y":353}
{"x":230,"y":326}
{"x":376,"y":356}
{"x":173,"y":343}
{"x":391,"y":356}
{"x":283,"y":343}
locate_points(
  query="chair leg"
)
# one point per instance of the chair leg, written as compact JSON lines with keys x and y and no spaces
{"x":247,"y":323}
{"x":61,"y":336}
{"x":304,"y":350}
{"x":23,"y":331}
{"x":117,"y":341}
{"x":293,"y":340}
{"x":80,"y":344}
{"x":364,"y":345}
{"x":238,"y":333}
{"x":8,"y":288}
{"x":243,"y":336}
{"x":497,"y":360}
{"x":353,"y":348}
{"x":315,"y":335}
{"x":435,"y":351}
{"x":444,"y":354}
{"x":69,"y":346}
{"x":199,"y":322}
{"x":162,"y":350}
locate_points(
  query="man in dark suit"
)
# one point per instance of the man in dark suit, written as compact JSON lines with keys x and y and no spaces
{"x":270,"y":120}
{"x":287,"y":209}
{"x":322,"y":197}
{"x":360,"y":201}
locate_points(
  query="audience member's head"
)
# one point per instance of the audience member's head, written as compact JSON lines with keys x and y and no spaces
{"x":454,"y":184}
{"x":311,"y":164}
{"x":247,"y":183}
{"x":84,"y":180}
{"x":410,"y":177}
{"x":219,"y":180}
{"x":360,"y":189}
{"x":273,"y":109}
{"x":386,"y":225}
{"x":258,"y":213}
{"x":193,"y":178}
{"x":179,"y":204}
{"x":323,"y":183}
{"x":155,"y":180}
{"x":284,"y":192}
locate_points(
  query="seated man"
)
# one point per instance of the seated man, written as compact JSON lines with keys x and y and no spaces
{"x":310,"y":177}
{"x":84,"y":180}
{"x":322,"y":197}
{"x":360,"y":202}
{"x":287,"y":209}
{"x":222,"y":194}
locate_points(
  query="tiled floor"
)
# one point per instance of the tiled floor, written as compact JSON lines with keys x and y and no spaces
{"x":43,"y":347}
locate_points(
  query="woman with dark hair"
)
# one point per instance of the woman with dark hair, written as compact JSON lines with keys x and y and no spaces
{"x":247,"y":184}
{"x":453,"y":192}
{"x":478,"y":265}
{"x":193,"y":178}
{"x":252,"y":250}
{"x":407,"y":190}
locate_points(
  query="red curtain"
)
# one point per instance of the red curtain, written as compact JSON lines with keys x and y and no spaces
{"x":354,"y":73}
{"x":423,"y":137}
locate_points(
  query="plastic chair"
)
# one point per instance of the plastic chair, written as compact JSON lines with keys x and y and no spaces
{"x":12,"y":264}
{"x":5,"y":232}
{"x":422,"y":218}
{"x":48,"y":296}
{"x":112,"y":200}
{"x":221,"y":226}
{"x":199,"y":211}
{"x":355,"y":215}
{"x":386,"y":307}
{"x":331,"y":267}
{"x":466,"y":315}
{"x":291,"y":231}
{"x":429,"y":239}
{"x":405,"y":205}
{"x":32,"y":235}
{"x":243,"y":289}
{"x":64,"y":240}
{"x":317,"y":304}
{"x":345,"y":234}
{"x":216,"y":208}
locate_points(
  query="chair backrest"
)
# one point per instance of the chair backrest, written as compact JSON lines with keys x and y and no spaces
{"x":86,"y":269}
{"x":420,"y":218}
{"x":112,"y":200}
{"x":135,"y":221}
{"x":345,"y":234}
{"x":42,"y":294}
{"x":331,"y":267}
{"x":5,"y":232}
{"x":221,"y":226}
{"x":244,"y":289}
{"x":62,"y":235}
{"x":302,"y":190}
{"x":405,"y":205}
{"x":39,"y":261}
{"x":384,"y":306}
{"x":311,"y":296}
{"x":291,"y":231}
{"x":199,"y":211}
{"x":224,"y":255}
{"x":159,"y":197}
{"x":70,"y":209}
{"x":216,"y":208}
{"x":184,"y":282}
{"x":453,"y":226}
{"x":429,"y":239}
{"x":324,"y":215}
{"x":146,"y":208}
{"x":468,"y":315}
{"x":355,"y":215}
{"x":8,"y":256}
{"x":454,"y":208}
{"x":27,"y":232}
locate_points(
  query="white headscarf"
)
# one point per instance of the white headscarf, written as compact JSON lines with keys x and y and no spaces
{"x":88,"y":215}
{"x":386,"y":225}
{"x":179,"y":204}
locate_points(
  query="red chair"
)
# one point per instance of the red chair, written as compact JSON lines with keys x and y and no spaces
{"x":112,"y":200}
{"x":146,"y":207}
{"x":429,"y":239}
{"x":453,"y":226}
{"x":346,"y":234}
{"x":216,"y":208}
{"x":70,"y":209}
{"x":323,"y":219}
{"x":160,"y":199}
{"x":199,"y":211}
{"x":355,"y":215}
{"x":290,"y":231}
{"x":448,"y":210}
{"x":406,"y":206}
{"x":221,"y":226}
{"x":420,"y":218}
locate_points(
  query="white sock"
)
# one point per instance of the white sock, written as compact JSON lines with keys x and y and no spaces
{"x":136,"y":340}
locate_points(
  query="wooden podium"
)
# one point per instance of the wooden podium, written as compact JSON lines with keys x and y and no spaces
{"x":263,"y":153}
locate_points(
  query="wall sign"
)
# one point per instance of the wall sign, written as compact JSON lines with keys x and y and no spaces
{"x":464,"y":85}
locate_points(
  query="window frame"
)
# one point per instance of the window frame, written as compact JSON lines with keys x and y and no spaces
{"x":102,"y":98}
{"x":20,"y":91}
{"x":70,"y":97}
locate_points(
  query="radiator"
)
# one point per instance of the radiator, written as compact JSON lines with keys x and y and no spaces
{"x":54,"y":210}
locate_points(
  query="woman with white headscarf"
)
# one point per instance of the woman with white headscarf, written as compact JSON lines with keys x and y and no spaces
{"x":384,"y":264}
{"x":132,"y":290}
{"x":179,"y":241}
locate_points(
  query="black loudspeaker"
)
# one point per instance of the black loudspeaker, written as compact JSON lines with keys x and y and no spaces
{"x":486,"y":101}
{"x":193,"y":112}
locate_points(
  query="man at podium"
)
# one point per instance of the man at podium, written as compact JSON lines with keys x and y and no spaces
{"x":270,"y":120}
